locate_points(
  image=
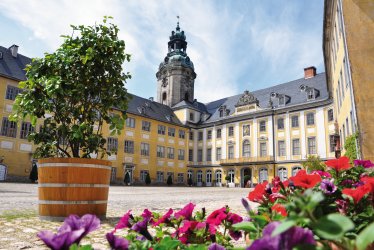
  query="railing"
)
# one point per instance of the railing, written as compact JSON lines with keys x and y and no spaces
{"x":247,"y":159}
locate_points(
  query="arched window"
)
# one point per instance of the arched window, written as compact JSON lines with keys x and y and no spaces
{"x":246,"y":148}
{"x":218,"y":176}
{"x":199,"y":176}
{"x":164,"y":97}
{"x":231,"y":175}
{"x":282,"y":173}
{"x":295,"y":170}
{"x":208,"y":176}
{"x":263,"y":174}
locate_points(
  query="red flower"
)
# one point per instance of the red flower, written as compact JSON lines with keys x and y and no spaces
{"x":124,"y":221}
{"x":357,"y":193}
{"x":164,"y":218}
{"x":234,"y":218}
{"x":186,"y":212}
{"x":278,"y":208}
{"x":339,"y":164}
{"x":369,"y":182}
{"x":216,"y":217}
{"x":302,"y":179}
{"x":257,"y":195}
{"x":274,"y":196}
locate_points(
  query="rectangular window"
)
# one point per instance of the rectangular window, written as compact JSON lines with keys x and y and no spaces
{"x":181,"y":134}
{"x":199,"y":155}
{"x":191,"y":135}
{"x":8,"y":128}
{"x":146,"y":126}
{"x":342,"y":84}
{"x":352,"y":123}
{"x":144,"y":149}
{"x":161,"y":129}
{"x":332,"y":143}
{"x":143,"y":175}
{"x":346,"y":73}
{"x":26,"y":129}
{"x":113,"y":174}
{"x":218,"y":154}
{"x":312,"y":145}
{"x":112,"y":144}
{"x":160,"y":176}
{"x":171,"y":132}
{"x":231,"y":131}
{"x":281,"y":148}
{"x":209,"y":154}
{"x":190,"y":155}
{"x":130,"y":122}
{"x":219,"y":133}
{"x":296,"y":147}
{"x":295,"y":121}
{"x":231,"y":152}
{"x":209,"y":134}
{"x":280,"y":123}
{"x":310,"y":119}
{"x":246,"y":130}
{"x":344,"y":134}
{"x":192,"y":118}
{"x":181,"y":154}
{"x":200,"y":136}
{"x":263,"y":149}
{"x":180,"y":178}
{"x":262,"y":126}
{"x":160,"y":151}
{"x":129,"y":147}
{"x":330,"y":115}
{"x":171,"y":153}
{"x":12,"y":92}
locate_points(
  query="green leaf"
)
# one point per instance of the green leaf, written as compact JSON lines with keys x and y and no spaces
{"x":245,"y":226}
{"x":284,"y":226}
{"x":260,"y":220}
{"x":332,"y":226}
{"x":365,"y":238}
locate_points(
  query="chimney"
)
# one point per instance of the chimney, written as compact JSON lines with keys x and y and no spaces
{"x":14,"y":50}
{"x":310,"y":72}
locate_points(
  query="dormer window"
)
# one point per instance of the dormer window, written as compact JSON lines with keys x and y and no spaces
{"x":168,"y":117}
{"x":311,"y":94}
{"x":282,"y":100}
{"x":192,"y":117}
{"x":223,"y":111}
{"x":141,"y":110}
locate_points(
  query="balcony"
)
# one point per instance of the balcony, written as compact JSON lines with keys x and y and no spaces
{"x":247,"y":160}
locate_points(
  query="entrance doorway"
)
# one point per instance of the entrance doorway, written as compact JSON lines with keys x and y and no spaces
{"x":246,"y":174}
{"x":128,"y":178}
{"x":3,"y":172}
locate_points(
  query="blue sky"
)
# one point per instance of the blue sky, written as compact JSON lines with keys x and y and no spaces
{"x":235,"y":45}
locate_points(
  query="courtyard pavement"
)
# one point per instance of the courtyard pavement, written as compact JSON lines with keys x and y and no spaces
{"x":19,"y":222}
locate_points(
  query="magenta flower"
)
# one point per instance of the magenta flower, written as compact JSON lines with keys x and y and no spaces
{"x":215,"y":246}
{"x":364,"y":163}
{"x":342,"y":206}
{"x":141,"y":227}
{"x":285,"y":241}
{"x":146,"y":214}
{"x":124,"y":222}
{"x":327,"y":186}
{"x":72,"y":231}
{"x":117,"y":243}
{"x":322,"y":173}
{"x":164,"y":218}
{"x":186,"y":212}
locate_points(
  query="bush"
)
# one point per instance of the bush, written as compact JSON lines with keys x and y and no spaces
{"x":34,"y":173}
{"x":147,"y":179}
{"x":169,"y":181}
{"x":350,"y":147}
{"x":189,"y":182}
{"x":313,"y":163}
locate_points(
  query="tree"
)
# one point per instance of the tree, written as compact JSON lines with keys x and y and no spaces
{"x":313,"y":163}
{"x":147,"y":179}
{"x":350,"y":146}
{"x":169,"y":181}
{"x":78,"y":86}
{"x":34,"y":173}
{"x":127,"y":178}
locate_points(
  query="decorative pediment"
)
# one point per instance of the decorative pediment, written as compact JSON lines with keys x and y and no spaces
{"x":246,"y":99}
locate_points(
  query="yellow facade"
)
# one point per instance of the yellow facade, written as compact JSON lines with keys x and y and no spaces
{"x":348,"y":52}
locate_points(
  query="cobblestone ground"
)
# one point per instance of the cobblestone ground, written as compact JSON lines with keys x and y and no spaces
{"x":19,"y":222}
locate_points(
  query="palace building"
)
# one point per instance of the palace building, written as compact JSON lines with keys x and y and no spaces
{"x":348,"y":35}
{"x":254,"y":136}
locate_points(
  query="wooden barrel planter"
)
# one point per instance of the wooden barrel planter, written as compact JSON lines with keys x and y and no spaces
{"x":73,"y":186}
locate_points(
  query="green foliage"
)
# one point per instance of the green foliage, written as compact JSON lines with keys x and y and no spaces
{"x":350,"y":146}
{"x":169,"y":181}
{"x":313,"y":163}
{"x":147,"y":179}
{"x":78,"y":85}
{"x":366,"y":237}
{"x":333,"y":226}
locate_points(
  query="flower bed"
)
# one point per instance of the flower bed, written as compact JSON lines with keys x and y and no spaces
{"x":331,"y":209}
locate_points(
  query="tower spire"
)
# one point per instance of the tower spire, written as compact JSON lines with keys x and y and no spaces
{"x":178,"y":29}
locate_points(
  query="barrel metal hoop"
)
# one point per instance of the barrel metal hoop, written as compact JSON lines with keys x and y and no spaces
{"x":48,"y":202}
{"x":73,"y":185}
{"x":80,"y":165}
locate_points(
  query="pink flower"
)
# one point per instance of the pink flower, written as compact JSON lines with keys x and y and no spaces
{"x":186,"y":212}
{"x":322,"y":173}
{"x":146,"y":214}
{"x":164,"y":218}
{"x":364,"y":163}
{"x":217,"y":216}
{"x":274,"y":196}
{"x":124,"y":221}
{"x":234,"y":218}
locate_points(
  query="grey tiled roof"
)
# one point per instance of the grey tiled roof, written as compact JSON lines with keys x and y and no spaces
{"x":194,"y":105}
{"x":153,"y":110}
{"x":291,"y":89}
{"x":13,"y":67}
